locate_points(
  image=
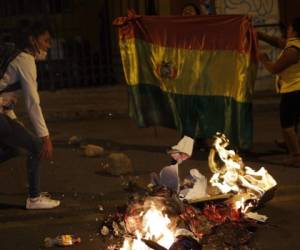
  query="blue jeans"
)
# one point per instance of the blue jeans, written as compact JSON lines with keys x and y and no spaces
{"x":13,"y":136}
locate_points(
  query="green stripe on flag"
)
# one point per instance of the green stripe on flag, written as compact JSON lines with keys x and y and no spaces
{"x":193,"y":115}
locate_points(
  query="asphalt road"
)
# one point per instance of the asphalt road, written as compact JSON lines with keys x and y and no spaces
{"x":84,"y":190}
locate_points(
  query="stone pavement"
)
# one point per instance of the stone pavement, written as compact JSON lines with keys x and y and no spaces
{"x":99,"y":116}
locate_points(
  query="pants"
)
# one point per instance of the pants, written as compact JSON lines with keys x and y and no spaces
{"x":290,"y":109}
{"x":13,"y":136}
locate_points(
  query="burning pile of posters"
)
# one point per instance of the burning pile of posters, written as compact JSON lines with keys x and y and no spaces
{"x":194,"y":214}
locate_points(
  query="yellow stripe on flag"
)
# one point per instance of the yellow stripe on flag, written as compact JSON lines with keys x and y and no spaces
{"x":189,"y":72}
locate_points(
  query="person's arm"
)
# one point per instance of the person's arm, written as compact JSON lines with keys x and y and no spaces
{"x":28,"y":76}
{"x":289,"y":57}
{"x":47,"y":148}
{"x":11,"y":114}
{"x":272,"y":40}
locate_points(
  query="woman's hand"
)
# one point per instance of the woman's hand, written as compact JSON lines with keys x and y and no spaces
{"x":47,"y":148}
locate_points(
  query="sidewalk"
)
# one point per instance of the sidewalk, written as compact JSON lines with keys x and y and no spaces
{"x":91,"y":103}
{"x":79,"y":104}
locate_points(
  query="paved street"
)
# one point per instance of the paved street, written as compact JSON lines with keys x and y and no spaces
{"x":100,"y":117}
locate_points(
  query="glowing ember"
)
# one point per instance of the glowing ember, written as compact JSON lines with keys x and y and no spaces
{"x":154,"y":227}
{"x":231,"y":175}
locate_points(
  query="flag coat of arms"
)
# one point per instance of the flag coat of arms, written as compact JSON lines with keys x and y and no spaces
{"x":192,"y":73}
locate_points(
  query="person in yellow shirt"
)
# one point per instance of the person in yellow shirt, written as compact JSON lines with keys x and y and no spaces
{"x":287,"y":70}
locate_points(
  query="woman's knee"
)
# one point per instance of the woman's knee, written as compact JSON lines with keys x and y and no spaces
{"x":36,"y":146}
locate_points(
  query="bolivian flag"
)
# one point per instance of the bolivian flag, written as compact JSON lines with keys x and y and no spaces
{"x":195,"y":74}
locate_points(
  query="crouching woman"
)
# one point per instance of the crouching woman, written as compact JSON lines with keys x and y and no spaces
{"x":20,"y":77}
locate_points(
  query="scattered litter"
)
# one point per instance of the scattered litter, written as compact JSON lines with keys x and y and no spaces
{"x":113,"y":247}
{"x":185,"y":145}
{"x":113,"y":226}
{"x":104,"y":230}
{"x":256,"y":216}
{"x":198,"y":189}
{"x":62,"y":240}
{"x":117,"y":230}
{"x":169,"y":177}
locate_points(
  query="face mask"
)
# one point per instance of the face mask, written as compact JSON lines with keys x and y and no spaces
{"x":41,"y":55}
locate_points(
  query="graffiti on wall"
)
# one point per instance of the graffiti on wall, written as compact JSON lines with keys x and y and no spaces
{"x":265,"y":16}
{"x":262,"y":11}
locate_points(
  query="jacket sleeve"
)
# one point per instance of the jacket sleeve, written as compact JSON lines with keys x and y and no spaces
{"x":28,"y":76}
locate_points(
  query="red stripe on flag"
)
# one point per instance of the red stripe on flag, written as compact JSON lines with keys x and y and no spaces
{"x":220,"y":32}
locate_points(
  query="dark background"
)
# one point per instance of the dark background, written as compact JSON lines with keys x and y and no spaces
{"x":85,"y":49}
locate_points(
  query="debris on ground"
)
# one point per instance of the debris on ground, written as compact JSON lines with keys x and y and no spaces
{"x":91,"y":150}
{"x":118,"y":164}
{"x":62,"y":241}
{"x":193,"y":214}
{"x":75,"y":140}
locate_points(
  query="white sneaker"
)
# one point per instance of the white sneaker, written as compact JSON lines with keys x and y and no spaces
{"x":41,"y":202}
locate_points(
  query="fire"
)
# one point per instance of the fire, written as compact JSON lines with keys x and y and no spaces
{"x":155,"y":226}
{"x":232,"y":175}
{"x":241,"y":205}
{"x":155,"y":221}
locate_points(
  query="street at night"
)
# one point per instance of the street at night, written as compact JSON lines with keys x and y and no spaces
{"x":149,"y":124}
{"x":84,"y":190}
